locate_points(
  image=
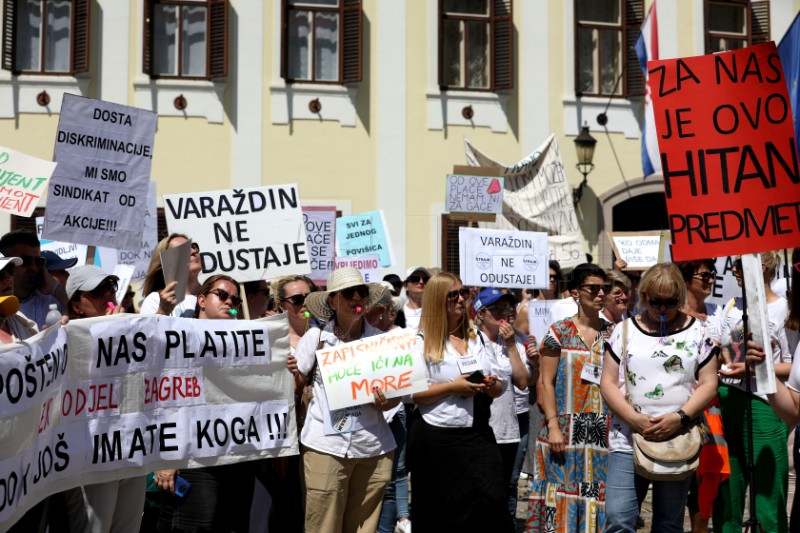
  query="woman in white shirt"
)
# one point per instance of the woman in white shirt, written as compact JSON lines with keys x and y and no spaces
{"x":456,"y":469}
{"x":161,"y":298}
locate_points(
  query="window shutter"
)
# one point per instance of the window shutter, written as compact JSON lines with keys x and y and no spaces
{"x":502,"y":28}
{"x":217,"y":38}
{"x":284,"y":39}
{"x":759,"y":21}
{"x":80,"y":44}
{"x":441,"y":46}
{"x":634,"y":77}
{"x":147,"y":38}
{"x":9,"y":37}
{"x":350,"y":16}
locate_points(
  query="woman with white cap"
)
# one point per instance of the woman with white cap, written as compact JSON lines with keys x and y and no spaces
{"x":346,"y":471}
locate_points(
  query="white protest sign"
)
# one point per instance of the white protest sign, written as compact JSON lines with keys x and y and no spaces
{"x":124,"y":273}
{"x":537,"y":197}
{"x":364,"y":234}
{"x":640,"y":250}
{"x":251,"y":234}
{"x":503,"y":258}
{"x":538,"y":314}
{"x":23,"y":180}
{"x":138,"y":394}
{"x":320,"y":223}
{"x":725,"y":286}
{"x":64,"y":250}
{"x":759,"y":324}
{"x":368,"y":265}
{"x":98,"y":192}
{"x":474,"y":194}
{"x":140,"y":257}
{"x":389,"y":361}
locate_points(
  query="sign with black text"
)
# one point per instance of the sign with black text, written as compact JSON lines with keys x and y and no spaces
{"x":320,"y":224}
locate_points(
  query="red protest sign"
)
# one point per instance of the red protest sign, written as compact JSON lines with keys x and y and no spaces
{"x":728,"y":153}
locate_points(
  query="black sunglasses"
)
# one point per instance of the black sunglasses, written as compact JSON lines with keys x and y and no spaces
{"x":658,"y":303}
{"x":349,"y":292}
{"x":706,"y":276}
{"x":595,"y":288}
{"x":224,"y":296}
{"x":297,"y":299}
{"x":414,"y":278}
{"x":463,"y":292}
{"x":104,"y":288}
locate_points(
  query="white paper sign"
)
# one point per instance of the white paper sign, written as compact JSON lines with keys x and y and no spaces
{"x":474,"y":194}
{"x":758,"y":321}
{"x":124,"y":273}
{"x":320,"y":224}
{"x":98,"y":192}
{"x":23,"y":180}
{"x":538,"y":313}
{"x":368,"y":265}
{"x":504,"y":258}
{"x":65,"y":250}
{"x":251,"y":234}
{"x":639,"y":249}
{"x":389,"y":361}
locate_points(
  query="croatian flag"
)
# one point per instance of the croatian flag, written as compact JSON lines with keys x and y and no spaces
{"x":647,"y":50}
{"x":789,"y":52}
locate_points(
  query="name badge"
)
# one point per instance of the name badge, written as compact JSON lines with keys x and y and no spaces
{"x":468,"y":365}
{"x":591,"y":373}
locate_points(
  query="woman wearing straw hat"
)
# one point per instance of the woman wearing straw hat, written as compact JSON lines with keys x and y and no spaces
{"x":347,"y":454}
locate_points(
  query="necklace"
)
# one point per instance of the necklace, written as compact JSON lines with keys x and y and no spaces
{"x":345,"y":336}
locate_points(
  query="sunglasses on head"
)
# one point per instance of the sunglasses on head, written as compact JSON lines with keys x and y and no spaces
{"x":297,"y":299}
{"x":595,"y":288}
{"x":463,"y":292}
{"x":349,"y":292}
{"x":706,"y":276}
{"x":225,"y":296}
{"x":658,"y":303}
{"x":414,"y":278}
{"x":107,"y":286}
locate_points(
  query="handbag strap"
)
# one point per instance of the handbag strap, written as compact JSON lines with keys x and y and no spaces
{"x":313,"y":371}
{"x":625,"y":360}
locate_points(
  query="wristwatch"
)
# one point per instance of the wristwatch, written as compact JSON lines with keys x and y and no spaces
{"x":685,"y":420}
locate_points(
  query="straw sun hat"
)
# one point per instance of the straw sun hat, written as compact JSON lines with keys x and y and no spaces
{"x":342,"y":278}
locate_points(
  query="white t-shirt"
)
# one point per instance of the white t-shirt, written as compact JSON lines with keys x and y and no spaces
{"x":412,"y":317}
{"x":503,"y":420}
{"x":365,"y":432}
{"x":453,"y":410}
{"x":521,"y":395}
{"x":185,"y":309}
{"x":662,"y":373}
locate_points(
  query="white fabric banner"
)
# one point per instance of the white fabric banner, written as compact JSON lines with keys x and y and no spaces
{"x":537,"y":197}
{"x":503,"y":258}
{"x":116,"y":397}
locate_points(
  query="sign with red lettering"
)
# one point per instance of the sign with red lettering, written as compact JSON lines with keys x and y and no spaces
{"x":728,"y":152}
{"x":389,"y":361}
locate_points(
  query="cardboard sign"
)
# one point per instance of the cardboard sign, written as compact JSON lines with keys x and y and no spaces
{"x":640,"y":250}
{"x":364,"y":234}
{"x":320,"y":224}
{"x":389,"y":361}
{"x":758,"y":317}
{"x":98,"y":192}
{"x":121,"y":396}
{"x":503,"y":258}
{"x":728,"y":152}
{"x":539,"y":317}
{"x":23,"y":180}
{"x":474,"y":194}
{"x":250,"y":234}
{"x":368,"y":265}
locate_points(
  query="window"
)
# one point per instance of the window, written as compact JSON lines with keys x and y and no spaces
{"x":185,"y":39}
{"x":321,"y":41}
{"x":476,"y":45}
{"x":735,"y":24}
{"x":605,"y":36}
{"x":46,"y":36}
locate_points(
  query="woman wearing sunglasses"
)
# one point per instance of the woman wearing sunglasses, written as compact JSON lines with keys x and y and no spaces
{"x":161,"y":298}
{"x":456,"y":468}
{"x":571,"y":450}
{"x":671,"y":376}
{"x":347,"y":453}
{"x":769,"y":432}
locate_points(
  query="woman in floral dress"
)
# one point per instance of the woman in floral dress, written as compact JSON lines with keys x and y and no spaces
{"x":568,"y":492}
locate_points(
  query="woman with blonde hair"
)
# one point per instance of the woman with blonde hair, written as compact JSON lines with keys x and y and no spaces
{"x":455,"y":462}
{"x":161,"y":298}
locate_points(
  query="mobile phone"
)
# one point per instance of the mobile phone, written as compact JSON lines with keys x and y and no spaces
{"x":181,"y":486}
{"x":476,"y":377}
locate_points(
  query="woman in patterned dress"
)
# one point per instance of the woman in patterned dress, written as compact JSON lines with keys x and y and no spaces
{"x":568,"y":494}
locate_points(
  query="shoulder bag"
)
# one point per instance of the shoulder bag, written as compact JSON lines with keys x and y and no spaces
{"x":304,"y":397}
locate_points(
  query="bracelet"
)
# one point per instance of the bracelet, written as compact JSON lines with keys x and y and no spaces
{"x":546,"y":420}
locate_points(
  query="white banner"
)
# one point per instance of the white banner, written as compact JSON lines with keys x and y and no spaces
{"x":64,"y":250}
{"x":537,"y":197}
{"x":115,"y":397}
{"x":389,"y":361}
{"x":98,"y":192}
{"x":503,"y":258}
{"x":251,"y":234}
{"x":320,"y":224}
{"x":23,"y":180}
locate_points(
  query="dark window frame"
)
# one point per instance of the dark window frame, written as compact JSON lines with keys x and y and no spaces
{"x":756,"y":12}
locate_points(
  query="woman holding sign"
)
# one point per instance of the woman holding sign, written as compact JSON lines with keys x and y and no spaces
{"x":161,"y":298}
{"x":456,"y":467}
{"x":347,"y":453}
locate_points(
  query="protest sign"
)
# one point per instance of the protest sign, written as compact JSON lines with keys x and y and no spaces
{"x":175,"y":267}
{"x":115,"y":397}
{"x":320,"y":224}
{"x":349,"y":371}
{"x":124,"y":273}
{"x":139,"y":259}
{"x":368,"y":265}
{"x":728,"y":153}
{"x":473,"y":194}
{"x":537,"y":197}
{"x":758,"y":317}
{"x":98,"y":192}
{"x":364,"y":234}
{"x":503,"y":258}
{"x":538,"y":317}
{"x":23,"y":180}
{"x":640,"y":250}
{"x":251,"y":234}
{"x":65,"y":250}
